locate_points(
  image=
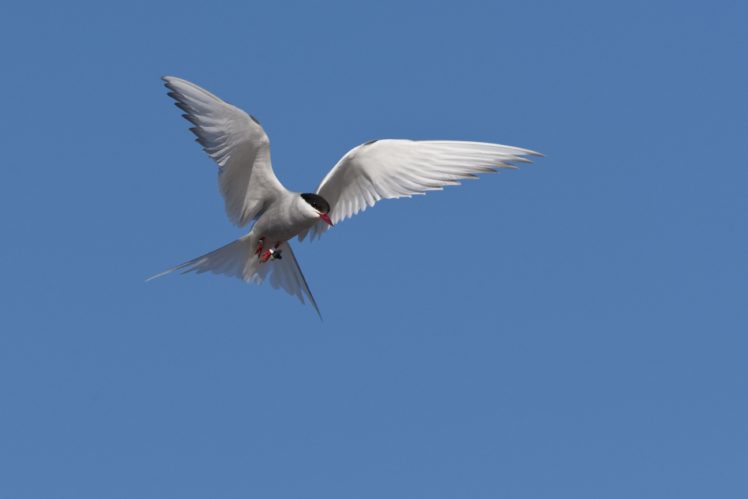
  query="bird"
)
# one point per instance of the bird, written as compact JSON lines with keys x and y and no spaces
{"x":372,"y":171}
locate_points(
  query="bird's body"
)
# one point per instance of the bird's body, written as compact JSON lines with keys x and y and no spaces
{"x":284,"y":219}
{"x":380,"y":169}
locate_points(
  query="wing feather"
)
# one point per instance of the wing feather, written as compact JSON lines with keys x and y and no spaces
{"x":236,"y":142}
{"x":390,"y":169}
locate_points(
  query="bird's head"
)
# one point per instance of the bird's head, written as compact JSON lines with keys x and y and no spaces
{"x":317,"y":206}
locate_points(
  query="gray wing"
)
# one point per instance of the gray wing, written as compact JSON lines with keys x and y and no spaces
{"x":235,"y":141}
{"x":389,"y":169}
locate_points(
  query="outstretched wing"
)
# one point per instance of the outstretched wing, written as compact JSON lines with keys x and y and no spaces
{"x":237,"y":259}
{"x":388,"y":169}
{"x":237,"y":142}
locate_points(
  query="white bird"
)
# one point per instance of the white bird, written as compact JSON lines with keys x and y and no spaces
{"x":378,"y":169}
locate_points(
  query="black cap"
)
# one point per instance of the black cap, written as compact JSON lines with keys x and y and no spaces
{"x":318,"y":202}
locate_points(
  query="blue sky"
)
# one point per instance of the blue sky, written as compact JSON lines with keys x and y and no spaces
{"x":576,"y":328}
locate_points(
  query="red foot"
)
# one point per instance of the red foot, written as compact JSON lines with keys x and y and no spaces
{"x":265,"y":256}
{"x":260,"y":244}
{"x":268,"y":254}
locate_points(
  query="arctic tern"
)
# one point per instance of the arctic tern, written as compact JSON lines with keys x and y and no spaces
{"x":378,"y":169}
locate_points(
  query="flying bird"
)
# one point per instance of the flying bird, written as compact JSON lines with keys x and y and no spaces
{"x":378,"y":169}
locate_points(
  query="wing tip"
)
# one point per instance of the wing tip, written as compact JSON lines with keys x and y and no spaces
{"x":530,"y":152}
{"x":169,"y":81}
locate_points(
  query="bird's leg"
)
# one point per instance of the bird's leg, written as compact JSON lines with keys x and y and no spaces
{"x":265,"y":256}
{"x":260,"y":244}
{"x":271,"y":254}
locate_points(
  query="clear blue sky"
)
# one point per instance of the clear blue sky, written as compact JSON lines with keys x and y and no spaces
{"x":573,"y":329}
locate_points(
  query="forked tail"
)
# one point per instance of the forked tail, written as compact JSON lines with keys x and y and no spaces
{"x":238,"y":259}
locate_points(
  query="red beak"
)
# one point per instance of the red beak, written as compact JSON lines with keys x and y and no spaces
{"x":325,"y":217}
